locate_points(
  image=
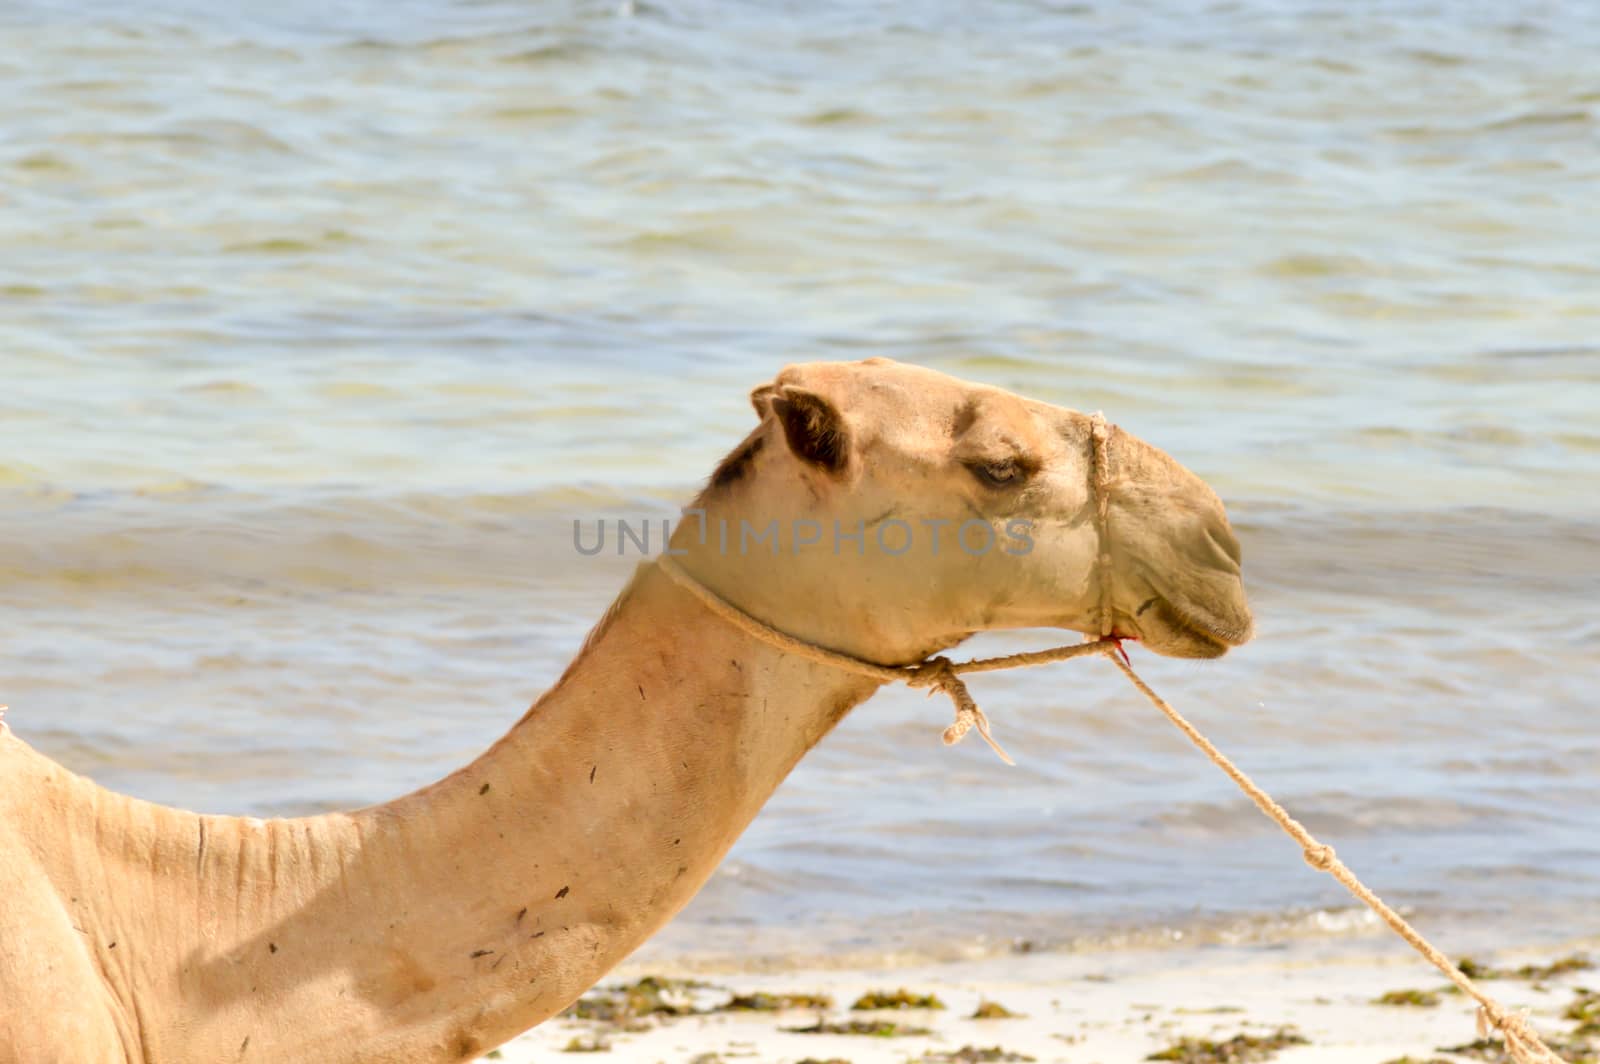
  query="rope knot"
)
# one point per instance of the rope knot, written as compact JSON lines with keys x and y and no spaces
{"x":935,"y":674}
{"x":939,"y":674}
{"x":1320,"y":857}
{"x":1522,"y":1043}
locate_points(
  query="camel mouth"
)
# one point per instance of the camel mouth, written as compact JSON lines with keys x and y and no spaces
{"x":1187,"y":632}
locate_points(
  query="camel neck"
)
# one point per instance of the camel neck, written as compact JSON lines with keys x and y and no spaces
{"x":455,"y":917}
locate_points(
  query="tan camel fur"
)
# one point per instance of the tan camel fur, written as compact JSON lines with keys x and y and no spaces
{"x":440,"y":924}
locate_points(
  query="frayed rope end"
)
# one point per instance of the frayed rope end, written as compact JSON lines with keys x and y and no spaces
{"x":966,"y":720}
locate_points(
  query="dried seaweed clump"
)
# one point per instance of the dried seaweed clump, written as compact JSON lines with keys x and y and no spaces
{"x":763,"y":1002}
{"x":579,"y":1044}
{"x":978,"y":1055}
{"x":1490,"y":1049}
{"x":1240,"y":1049}
{"x":1537,"y":973}
{"x":899,"y":999}
{"x":629,"y":1002}
{"x":993,"y":1010}
{"x":1417,"y":999}
{"x":1585,"y":1012}
{"x":865,"y":1028}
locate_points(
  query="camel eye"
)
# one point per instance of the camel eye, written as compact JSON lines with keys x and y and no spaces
{"x":998,"y":474}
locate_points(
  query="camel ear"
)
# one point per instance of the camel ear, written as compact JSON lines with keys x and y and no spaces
{"x":761,"y":399}
{"x":814,"y":428}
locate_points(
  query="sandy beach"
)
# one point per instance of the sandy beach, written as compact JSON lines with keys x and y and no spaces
{"x":1300,"y":1004}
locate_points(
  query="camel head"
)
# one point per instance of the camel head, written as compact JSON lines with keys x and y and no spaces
{"x":888,"y":510}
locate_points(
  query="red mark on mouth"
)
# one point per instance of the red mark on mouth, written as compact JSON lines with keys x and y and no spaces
{"x":1117,"y":638}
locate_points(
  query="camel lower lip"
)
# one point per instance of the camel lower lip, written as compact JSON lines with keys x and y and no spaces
{"x":1177,"y":623}
{"x":1209,"y":636}
{"x":1191,"y":627}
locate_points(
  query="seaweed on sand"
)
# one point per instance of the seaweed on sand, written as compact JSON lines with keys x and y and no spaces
{"x":993,"y":1010}
{"x":899,"y":999}
{"x":586,"y":1045}
{"x":867,"y":1028}
{"x":1240,"y":1049}
{"x":978,"y":1055}
{"x":1585,"y":1012}
{"x":1418,"y":999}
{"x":1537,"y":973}
{"x":1493,"y":1051}
{"x":630,"y":1002}
{"x":764,"y":1002}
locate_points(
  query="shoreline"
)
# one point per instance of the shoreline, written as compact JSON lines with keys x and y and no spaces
{"x":934,"y":938}
{"x":1304,"y":1002}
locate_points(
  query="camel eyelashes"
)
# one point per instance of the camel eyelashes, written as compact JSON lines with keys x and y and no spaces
{"x":1006,"y":473}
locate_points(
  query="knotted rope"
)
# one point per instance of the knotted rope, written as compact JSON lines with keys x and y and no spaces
{"x":942,"y":674}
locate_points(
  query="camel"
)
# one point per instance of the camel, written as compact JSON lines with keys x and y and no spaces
{"x":440,"y":924}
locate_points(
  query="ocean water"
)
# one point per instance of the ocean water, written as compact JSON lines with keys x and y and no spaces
{"x":321,"y":322}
